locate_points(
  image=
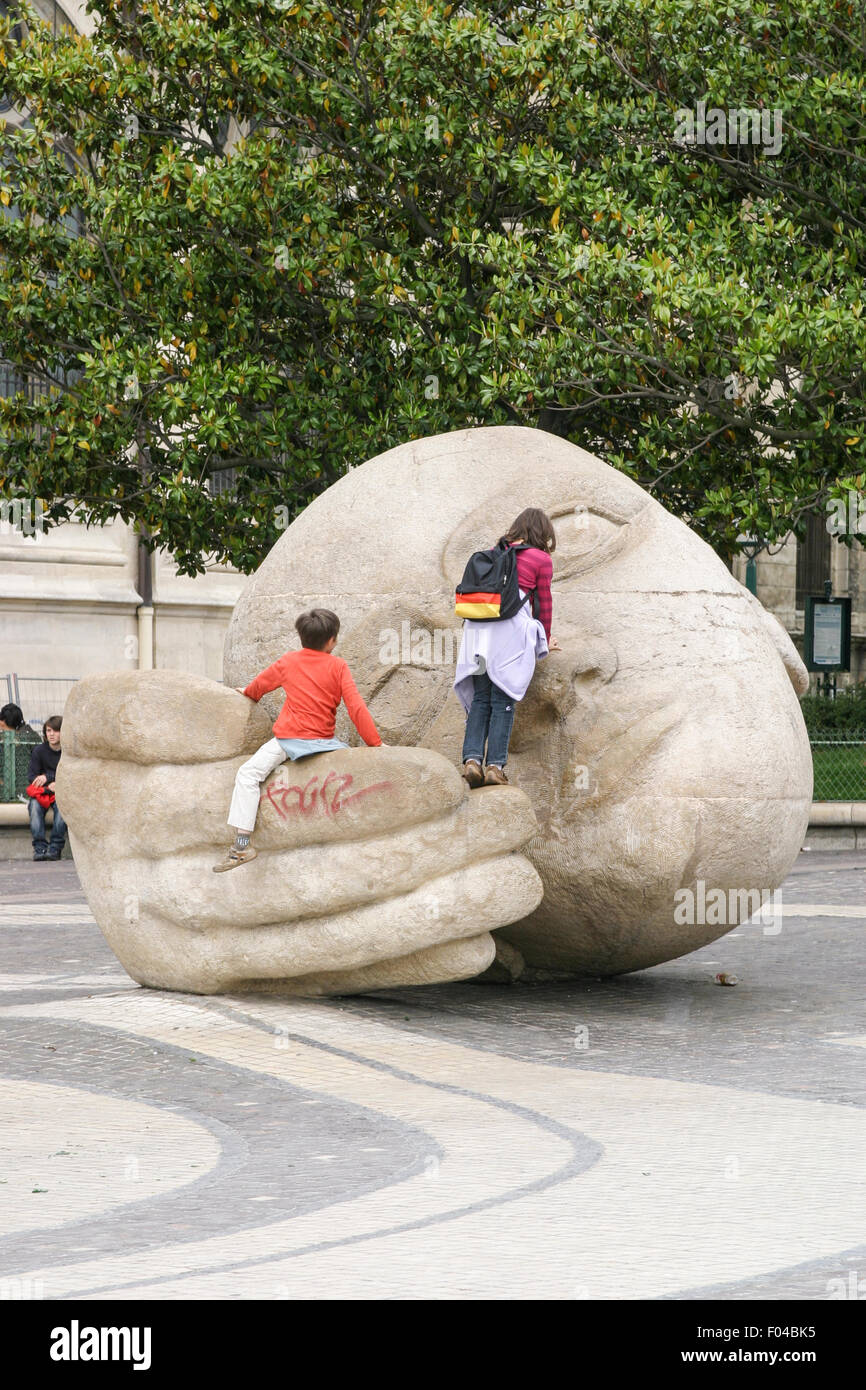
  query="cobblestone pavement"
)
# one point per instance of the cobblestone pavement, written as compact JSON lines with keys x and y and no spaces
{"x":654,"y":1136}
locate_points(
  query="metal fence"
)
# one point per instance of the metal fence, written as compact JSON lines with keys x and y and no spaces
{"x":14,"y":765}
{"x":38,"y":697}
{"x":840,"y":767}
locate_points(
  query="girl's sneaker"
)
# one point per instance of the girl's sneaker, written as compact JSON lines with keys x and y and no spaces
{"x":494,"y":776}
{"x":233,"y":858}
{"x":472,"y":773}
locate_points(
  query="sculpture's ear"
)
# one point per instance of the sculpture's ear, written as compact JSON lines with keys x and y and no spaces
{"x":160,"y":717}
{"x":791,"y":660}
{"x":403,"y":659}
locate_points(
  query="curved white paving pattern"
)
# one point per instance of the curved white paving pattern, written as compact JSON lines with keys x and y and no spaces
{"x":655,"y":1214}
{"x":68,"y":1153}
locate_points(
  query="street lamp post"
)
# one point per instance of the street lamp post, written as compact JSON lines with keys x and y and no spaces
{"x":751,"y":547}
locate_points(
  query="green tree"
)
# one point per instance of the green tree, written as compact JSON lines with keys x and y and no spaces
{"x":280,"y":237}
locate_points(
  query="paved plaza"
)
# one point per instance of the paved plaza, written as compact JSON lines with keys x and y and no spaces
{"x":655,"y":1136}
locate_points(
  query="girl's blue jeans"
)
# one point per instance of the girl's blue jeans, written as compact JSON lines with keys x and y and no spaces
{"x":490,"y":718}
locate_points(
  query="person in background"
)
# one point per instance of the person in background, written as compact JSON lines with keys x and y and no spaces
{"x":12,"y":722}
{"x":43,"y":769}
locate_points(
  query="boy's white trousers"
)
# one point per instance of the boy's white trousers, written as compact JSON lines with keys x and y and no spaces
{"x":248,"y":781}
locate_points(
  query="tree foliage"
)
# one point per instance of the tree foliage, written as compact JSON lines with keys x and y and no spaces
{"x":281,"y":237}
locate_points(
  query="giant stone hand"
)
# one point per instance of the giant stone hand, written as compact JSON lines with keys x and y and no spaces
{"x":375,"y":866}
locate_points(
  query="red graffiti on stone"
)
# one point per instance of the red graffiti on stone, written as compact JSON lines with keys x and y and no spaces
{"x":330,"y":796}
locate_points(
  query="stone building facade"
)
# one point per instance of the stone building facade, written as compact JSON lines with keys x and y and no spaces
{"x":73,"y":601}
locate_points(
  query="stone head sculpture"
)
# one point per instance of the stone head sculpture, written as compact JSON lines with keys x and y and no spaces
{"x":662,"y":749}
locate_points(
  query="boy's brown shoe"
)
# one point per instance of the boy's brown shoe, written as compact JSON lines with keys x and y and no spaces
{"x":234,"y":857}
{"x":495,"y":777}
{"x":472,"y":773}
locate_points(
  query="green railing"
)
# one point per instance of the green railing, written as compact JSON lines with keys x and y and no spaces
{"x":840,"y":766}
{"x":14,"y":762}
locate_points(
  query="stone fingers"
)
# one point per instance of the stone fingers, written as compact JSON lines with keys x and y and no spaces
{"x":455,"y":906}
{"x":455,"y":960}
{"x":316,"y":880}
{"x":346,"y":795}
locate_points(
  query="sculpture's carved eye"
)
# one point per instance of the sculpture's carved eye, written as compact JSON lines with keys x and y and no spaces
{"x":585,"y":537}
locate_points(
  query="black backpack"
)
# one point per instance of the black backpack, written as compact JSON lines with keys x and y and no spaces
{"x":488,"y":591}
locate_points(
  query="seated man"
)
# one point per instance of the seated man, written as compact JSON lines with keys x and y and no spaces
{"x":43,"y":768}
{"x":12,"y":786}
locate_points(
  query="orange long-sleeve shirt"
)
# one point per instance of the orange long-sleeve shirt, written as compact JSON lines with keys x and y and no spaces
{"x":315,"y":683}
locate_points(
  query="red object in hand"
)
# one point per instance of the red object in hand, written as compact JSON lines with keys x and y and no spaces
{"x":39,"y":794}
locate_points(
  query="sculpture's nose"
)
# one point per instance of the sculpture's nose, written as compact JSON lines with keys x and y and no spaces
{"x":565,"y":685}
{"x":568,"y":676}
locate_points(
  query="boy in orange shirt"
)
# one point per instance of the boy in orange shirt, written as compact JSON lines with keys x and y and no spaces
{"x":315,"y":682}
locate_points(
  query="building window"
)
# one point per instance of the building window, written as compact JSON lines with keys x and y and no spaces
{"x":16,"y":34}
{"x":221,"y":481}
{"x":813,"y":558}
